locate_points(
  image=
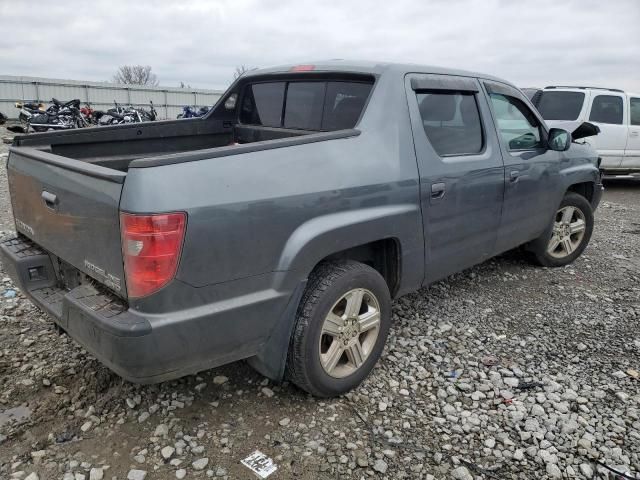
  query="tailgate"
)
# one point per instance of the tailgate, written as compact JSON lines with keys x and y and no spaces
{"x":70,"y":208}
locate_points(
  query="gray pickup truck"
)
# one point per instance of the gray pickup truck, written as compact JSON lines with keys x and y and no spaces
{"x":279,"y":227}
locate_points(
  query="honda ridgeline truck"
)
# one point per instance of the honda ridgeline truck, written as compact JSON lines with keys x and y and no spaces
{"x":279,"y":227}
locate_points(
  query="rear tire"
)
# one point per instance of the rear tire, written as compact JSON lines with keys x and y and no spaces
{"x":568,"y":234}
{"x":341,"y":327}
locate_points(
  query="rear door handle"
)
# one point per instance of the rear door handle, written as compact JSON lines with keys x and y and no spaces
{"x":514,"y":175}
{"x":437,"y":190}
{"x":633,"y":134}
{"x":50,"y":199}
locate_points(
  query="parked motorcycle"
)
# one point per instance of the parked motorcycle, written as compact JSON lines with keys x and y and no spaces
{"x":58,"y":116}
{"x":89,"y":114}
{"x":192,"y":112}
{"x":148,"y":115}
{"x":28,"y":109}
{"x":119,"y":115}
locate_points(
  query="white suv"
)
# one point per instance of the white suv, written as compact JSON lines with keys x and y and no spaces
{"x":617,"y":113}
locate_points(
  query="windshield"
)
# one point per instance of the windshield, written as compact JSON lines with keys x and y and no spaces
{"x":560,"y":105}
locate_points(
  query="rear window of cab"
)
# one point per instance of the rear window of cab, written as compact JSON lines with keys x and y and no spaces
{"x":321,"y":105}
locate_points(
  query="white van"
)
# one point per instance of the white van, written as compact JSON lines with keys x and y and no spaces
{"x":617,"y":113}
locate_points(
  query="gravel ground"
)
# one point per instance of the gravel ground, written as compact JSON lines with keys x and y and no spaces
{"x":503,"y":371}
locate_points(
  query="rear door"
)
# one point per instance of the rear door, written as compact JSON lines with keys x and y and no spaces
{"x":531,"y":169}
{"x":69,"y":208}
{"x":632,"y":151}
{"x":461,"y":171}
{"x":607,"y":112}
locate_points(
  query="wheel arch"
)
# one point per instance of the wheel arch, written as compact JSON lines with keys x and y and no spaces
{"x":383,"y":237}
{"x":585,"y":189}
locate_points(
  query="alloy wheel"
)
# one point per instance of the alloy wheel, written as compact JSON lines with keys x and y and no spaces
{"x":568,"y":231}
{"x":349,"y":332}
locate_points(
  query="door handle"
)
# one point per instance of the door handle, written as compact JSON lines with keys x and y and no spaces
{"x":514,"y":175}
{"x":437,"y":190}
{"x":633,"y":133}
{"x":50,"y":199}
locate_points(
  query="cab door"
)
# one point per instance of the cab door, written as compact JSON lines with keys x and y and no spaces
{"x":607,"y":112}
{"x":461,"y":171}
{"x":532,"y":171}
{"x":631,"y":158}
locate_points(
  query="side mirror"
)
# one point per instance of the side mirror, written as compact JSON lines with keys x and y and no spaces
{"x":559,"y":140}
{"x":586,"y":129}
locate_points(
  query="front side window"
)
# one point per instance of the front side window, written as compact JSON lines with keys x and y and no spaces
{"x":517,"y":124}
{"x":451,"y":121}
{"x":635,"y":111}
{"x":606,"y":109}
{"x":554,"y":105}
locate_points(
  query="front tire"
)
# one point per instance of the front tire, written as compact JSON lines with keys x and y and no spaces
{"x":568,"y":235}
{"x":341,"y":327}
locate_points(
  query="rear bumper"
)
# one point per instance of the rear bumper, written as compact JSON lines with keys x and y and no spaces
{"x":142,"y":348}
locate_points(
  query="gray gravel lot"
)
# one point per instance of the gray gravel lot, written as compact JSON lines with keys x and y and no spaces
{"x":503,"y":371}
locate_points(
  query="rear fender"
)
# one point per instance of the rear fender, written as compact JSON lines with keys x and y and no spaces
{"x":322,"y":236}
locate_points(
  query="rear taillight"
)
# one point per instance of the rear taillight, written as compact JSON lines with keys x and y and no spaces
{"x":151,"y":246}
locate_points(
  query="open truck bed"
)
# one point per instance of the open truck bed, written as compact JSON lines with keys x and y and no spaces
{"x":115,"y":147}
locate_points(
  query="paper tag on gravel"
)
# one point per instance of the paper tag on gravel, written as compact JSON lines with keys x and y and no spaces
{"x":259,"y":464}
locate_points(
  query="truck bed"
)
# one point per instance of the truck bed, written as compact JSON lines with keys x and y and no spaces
{"x":116,"y":147}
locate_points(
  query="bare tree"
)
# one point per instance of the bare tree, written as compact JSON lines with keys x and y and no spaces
{"x":136,"y":75}
{"x":241,"y":70}
{"x":184,"y":85}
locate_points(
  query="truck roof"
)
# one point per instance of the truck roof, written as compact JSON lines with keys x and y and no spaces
{"x":578,"y":88}
{"x":370,"y":67}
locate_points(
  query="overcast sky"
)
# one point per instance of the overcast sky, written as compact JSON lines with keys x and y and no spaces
{"x":531,"y":43}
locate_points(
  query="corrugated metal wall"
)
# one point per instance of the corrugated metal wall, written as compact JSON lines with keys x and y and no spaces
{"x":168,"y":101}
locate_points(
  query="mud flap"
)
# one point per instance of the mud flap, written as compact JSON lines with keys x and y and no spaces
{"x":272,"y":359}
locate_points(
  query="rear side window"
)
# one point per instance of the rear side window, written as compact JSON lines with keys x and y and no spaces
{"x":308,"y":105}
{"x":607,"y":109}
{"x":451,"y":121}
{"x":560,"y":105}
{"x":343,"y":104}
{"x":262,"y":104}
{"x":635,"y":111}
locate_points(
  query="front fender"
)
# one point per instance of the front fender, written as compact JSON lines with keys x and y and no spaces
{"x":585,"y":173}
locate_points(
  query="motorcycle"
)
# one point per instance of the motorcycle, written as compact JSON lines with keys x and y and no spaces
{"x":28,"y":109}
{"x":58,"y":116}
{"x":120,"y":115}
{"x":191,"y":112}
{"x":89,"y":114}
{"x":149,"y":115}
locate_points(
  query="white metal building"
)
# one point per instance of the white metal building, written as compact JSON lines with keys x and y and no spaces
{"x":100,"y":95}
